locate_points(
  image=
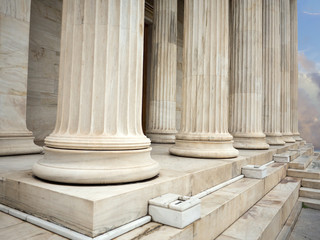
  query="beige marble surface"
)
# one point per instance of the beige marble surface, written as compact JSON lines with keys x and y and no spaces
{"x":204,"y":123}
{"x":106,"y":207}
{"x":161,"y":124}
{"x":43,"y":66}
{"x":15,"y":138}
{"x":246,"y":92}
{"x":271,"y":71}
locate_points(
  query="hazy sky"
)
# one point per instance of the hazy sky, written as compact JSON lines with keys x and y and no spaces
{"x":309,"y":70}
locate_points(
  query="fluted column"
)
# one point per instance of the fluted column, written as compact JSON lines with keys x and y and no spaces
{"x":246,"y":75}
{"x":271,"y":71}
{"x":15,"y":138}
{"x":294,"y":69}
{"x":204,"y":123}
{"x":161,"y":127}
{"x":98,"y":136}
{"x":285,"y":72}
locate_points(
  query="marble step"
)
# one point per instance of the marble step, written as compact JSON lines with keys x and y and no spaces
{"x":311,"y":172}
{"x":307,"y":150}
{"x":290,"y":223}
{"x":228,"y":203}
{"x":310,"y":193}
{"x":106,"y":207}
{"x":286,"y":156}
{"x":301,"y":162}
{"x":310,"y":183}
{"x":266,"y":218}
{"x":310,"y":203}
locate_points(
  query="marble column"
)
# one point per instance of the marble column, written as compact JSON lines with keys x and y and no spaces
{"x":285,"y":109}
{"x":15,"y":138}
{"x":246,"y":93}
{"x":204,"y":123}
{"x":161,"y":126}
{"x":294,"y":69}
{"x":271,"y":71}
{"x":98,"y":135}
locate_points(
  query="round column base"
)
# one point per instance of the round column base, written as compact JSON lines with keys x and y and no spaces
{"x":18,"y":145}
{"x":254,"y":143}
{"x":288,"y":138}
{"x":275,"y":140}
{"x":95,"y":167}
{"x":204,"y":149}
{"x":161,"y":138}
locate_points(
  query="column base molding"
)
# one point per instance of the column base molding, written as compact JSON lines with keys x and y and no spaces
{"x":96,"y":167}
{"x":18,"y":146}
{"x":288,"y":138}
{"x":275,"y":140}
{"x":255,"y":143}
{"x":204,"y":149}
{"x":162,"y":138}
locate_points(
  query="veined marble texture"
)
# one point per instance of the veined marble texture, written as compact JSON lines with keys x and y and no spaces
{"x":15,"y":138}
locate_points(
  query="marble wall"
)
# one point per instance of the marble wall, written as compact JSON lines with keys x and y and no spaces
{"x":43,"y":69}
{"x":14,"y":41}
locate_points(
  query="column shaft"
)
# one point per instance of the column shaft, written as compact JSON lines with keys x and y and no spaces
{"x":100,"y":97}
{"x":161,"y":126}
{"x":15,"y":138}
{"x":204,"y":123}
{"x":246,"y":75}
{"x":294,"y":69}
{"x":271,"y":71}
{"x":285,"y":72}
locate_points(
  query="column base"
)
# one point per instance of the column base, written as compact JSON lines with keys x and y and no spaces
{"x":255,"y":143}
{"x":275,"y":140}
{"x":95,"y":167}
{"x":161,"y":138}
{"x":18,"y":146}
{"x":204,"y":149}
{"x":288,"y":138}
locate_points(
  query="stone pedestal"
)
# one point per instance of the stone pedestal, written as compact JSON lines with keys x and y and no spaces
{"x":246,"y":96}
{"x":15,"y":138}
{"x":98,"y":136}
{"x":271,"y":71}
{"x":294,"y":69}
{"x":285,"y":72}
{"x":204,"y":124}
{"x":161,"y":127}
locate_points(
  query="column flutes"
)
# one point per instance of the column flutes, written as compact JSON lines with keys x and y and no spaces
{"x":246,"y":75}
{"x":98,"y":136}
{"x":294,"y":69}
{"x":161,"y":126}
{"x":204,"y":123}
{"x":271,"y":71}
{"x":285,"y":72}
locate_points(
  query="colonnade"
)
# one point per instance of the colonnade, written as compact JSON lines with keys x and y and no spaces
{"x":239,"y":87}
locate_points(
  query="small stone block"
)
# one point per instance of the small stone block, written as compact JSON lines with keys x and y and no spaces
{"x":287,"y":156}
{"x":254,"y":171}
{"x":174,"y":210}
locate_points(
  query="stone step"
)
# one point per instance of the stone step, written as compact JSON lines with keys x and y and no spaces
{"x":307,"y":150}
{"x":286,"y":156}
{"x":267,"y":217}
{"x":301,"y":162}
{"x":310,"y":183}
{"x":228,"y":203}
{"x":311,"y":172}
{"x":309,"y":193}
{"x":310,"y":203}
{"x":290,"y":223}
